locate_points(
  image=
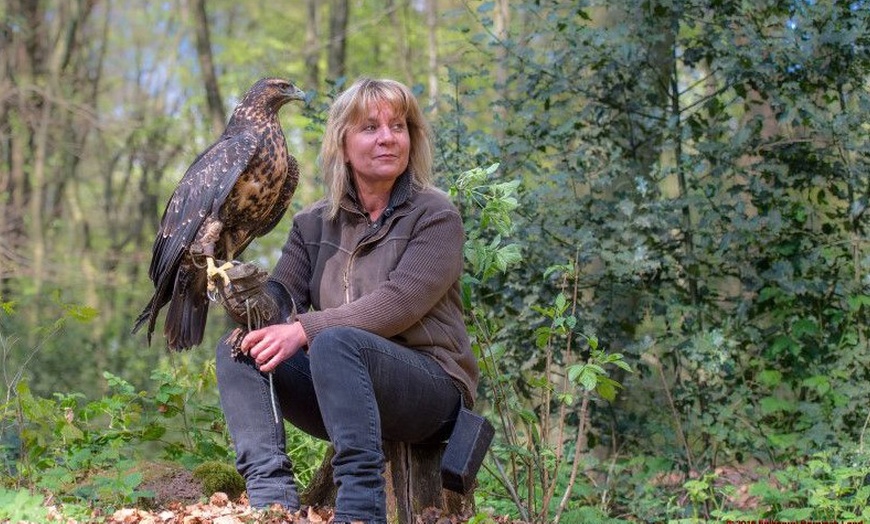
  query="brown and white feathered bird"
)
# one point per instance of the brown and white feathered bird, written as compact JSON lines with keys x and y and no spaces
{"x":236,"y":190}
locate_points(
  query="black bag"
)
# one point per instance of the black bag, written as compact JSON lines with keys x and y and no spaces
{"x":471,"y":437}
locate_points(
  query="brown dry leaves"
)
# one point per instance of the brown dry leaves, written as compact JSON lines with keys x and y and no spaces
{"x":219,"y":510}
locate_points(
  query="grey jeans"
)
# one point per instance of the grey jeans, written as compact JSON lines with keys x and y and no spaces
{"x":351,"y":387}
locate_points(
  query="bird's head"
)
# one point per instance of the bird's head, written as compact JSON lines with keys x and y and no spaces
{"x":286,"y":90}
{"x":272,"y":93}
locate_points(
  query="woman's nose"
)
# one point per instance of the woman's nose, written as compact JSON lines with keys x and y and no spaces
{"x":385,"y":134}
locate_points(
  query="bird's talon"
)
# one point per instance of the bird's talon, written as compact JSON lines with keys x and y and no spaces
{"x":213,"y":271}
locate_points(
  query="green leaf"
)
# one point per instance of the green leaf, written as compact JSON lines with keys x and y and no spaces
{"x":561,"y":303}
{"x":574,"y":371}
{"x":595,"y":368}
{"x":153,"y":432}
{"x":769,"y":377}
{"x":8,"y":307}
{"x":81,"y":313}
{"x":766,"y":491}
{"x":772,"y":405}
{"x":70,"y":432}
{"x":593,"y":342}
{"x":607,"y":388}
{"x":784,"y":441}
{"x":805,"y":327}
{"x":540,"y":382}
{"x":856,"y":301}
{"x":795,"y":514}
{"x":784,"y":343}
{"x":528,"y":415}
{"x":820,"y":383}
{"x":20,"y":505}
{"x":542,"y":337}
{"x":507,"y":256}
{"x":588,"y":379}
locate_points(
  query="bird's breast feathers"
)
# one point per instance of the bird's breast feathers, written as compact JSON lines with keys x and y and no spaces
{"x":257,"y":191}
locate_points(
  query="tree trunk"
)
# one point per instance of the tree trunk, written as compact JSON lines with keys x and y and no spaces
{"x":338,"y":16}
{"x":403,"y":51}
{"x":36,"y":232}
{"x":19,"y":52}
{"x":214,"y":102}
{"x":432,"y":30}
{"x":312,"y":53}
{"x":502,"y":21}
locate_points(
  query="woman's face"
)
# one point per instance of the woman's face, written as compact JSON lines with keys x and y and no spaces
{"x":378,"y":147}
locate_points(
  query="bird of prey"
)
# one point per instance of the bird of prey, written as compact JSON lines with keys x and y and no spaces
{"x":236,"y":190}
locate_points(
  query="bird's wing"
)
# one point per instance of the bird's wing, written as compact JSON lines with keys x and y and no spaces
{"x":200,"y":193}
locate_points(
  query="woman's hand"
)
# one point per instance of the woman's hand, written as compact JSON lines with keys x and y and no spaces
{"x":274,"y":344}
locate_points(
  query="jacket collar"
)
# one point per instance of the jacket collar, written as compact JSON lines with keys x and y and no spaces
{"x":400,"y":194}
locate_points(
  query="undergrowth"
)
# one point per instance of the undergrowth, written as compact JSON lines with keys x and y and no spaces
{"x":92,"y":453}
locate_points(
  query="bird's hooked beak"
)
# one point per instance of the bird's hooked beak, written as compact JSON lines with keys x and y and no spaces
{"x":294,"y":93}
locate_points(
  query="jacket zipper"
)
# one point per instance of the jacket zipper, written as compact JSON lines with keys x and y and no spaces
{"x":347,"y":276}
{"x":365,"y":241}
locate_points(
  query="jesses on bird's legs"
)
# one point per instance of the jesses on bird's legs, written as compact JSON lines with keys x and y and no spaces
{"x":271,"y":375}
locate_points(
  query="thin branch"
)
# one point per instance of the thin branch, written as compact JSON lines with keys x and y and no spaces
{"x":580,"y":445}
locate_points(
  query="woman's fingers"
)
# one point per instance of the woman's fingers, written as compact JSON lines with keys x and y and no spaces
{"x":269,"y":346}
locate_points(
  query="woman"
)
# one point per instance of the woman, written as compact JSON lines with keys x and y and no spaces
{"x":378,"y":349}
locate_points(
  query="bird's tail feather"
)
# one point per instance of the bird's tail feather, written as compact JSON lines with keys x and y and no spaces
{"x":186,"y":317}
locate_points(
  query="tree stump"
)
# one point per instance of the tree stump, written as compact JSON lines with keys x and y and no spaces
{"x":413,"y":479}
{"x":413,"y":483}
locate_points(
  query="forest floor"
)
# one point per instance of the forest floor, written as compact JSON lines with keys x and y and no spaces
{"x":219,"y":510}
{"x":179,"y":499}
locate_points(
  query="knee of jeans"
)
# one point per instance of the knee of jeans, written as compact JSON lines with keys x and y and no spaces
{"x":333,"y":339}
{"x":332,"y":344}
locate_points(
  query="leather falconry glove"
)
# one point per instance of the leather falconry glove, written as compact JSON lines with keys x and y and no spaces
{"x":252,"y":301}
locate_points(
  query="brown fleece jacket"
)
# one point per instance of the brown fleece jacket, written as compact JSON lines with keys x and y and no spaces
{"x":397,"y":278}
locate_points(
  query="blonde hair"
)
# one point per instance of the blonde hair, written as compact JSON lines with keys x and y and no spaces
{"x":351,"y":108}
